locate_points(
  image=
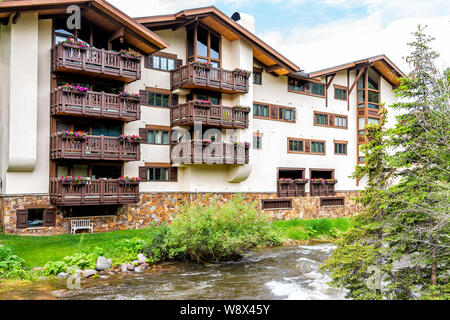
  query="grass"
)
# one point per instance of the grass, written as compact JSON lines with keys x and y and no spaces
{"x":38,"y":250}
{"x":324,"y":228}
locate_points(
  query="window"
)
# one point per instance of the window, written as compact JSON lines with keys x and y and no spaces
{"x":317,"y":147}
{"x":162,"y":61}
{"x":317,"y":89}
{"x":321,"y":119}
{"x":340,"y":122}
{"x":330,"y":120}
{"x":306,"y":87}
{"x":260,"y":110}
{"x":374,"y":121}
{"x":205,"y":95}
{"x":257,"y":141}
{"x":328,"y":202}
{"x":286,"y":114}
{"x":157,"y":137}
{"x":257,"y":77}
{"x":158,"y":99}
{"x":158,"y":173}
{"x":35,"y":218}
{"x":295,"y":145}
{"x":340,"y":94}
{"x":340,"y":148}
{"x":206,"y":48}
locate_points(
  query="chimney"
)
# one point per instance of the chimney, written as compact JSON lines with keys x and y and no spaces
{"x":245,"y":20}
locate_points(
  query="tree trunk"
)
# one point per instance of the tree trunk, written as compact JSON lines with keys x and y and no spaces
{"x":434,"y":268}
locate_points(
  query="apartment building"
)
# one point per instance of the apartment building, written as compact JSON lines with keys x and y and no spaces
{"x":121,"y":121}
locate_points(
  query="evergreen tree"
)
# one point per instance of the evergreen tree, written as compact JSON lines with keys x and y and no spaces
{"x":403,"y":230}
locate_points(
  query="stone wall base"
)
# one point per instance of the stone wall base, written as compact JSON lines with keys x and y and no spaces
{"x":159,"y":207}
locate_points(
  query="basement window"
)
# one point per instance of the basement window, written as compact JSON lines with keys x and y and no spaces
{"x":35,"y":218}
{"x":275,"y":204}
{"x":330,"y":202}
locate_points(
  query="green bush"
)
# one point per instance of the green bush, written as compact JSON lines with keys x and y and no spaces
{"x":82,"y":260}
{"x":54,"y":267}
{"x":11,"y":266}
{"x":155,"y":250}
{"x":218,"y":232}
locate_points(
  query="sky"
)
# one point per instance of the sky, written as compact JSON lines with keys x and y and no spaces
{"x":317,"y":34}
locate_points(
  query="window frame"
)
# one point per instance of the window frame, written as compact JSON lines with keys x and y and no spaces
{"x":156,"y":91}
{"x":330,"y":116}
{"x":149,"y":62}
{"x":342,"y":88}
{"x":257,"y":71}
{"x":307,"y":87}
{"x":335,"y":142}
{"x":271,"y":106}
{"x":157,"y":128}
{"x":195,"y":56}
{"x":305,"y":141}
{"x":257,"y":136}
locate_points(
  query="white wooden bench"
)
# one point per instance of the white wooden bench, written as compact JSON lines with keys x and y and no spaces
{"x":78,"y":224}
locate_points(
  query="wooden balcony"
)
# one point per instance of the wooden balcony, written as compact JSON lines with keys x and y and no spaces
{"x":290,"y":189}
{"x":318,"y":189}
{"x":217,"y":79}
{"x":94,"y":104}
{"x":93,"y":192}
{"x":93,"y":148}
{"x":190,"y":152}
{"x":95,"y":62}
{"x":210,"y":115}
{"x":371,"y":112}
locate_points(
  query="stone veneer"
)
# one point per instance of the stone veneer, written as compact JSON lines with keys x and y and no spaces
{"x":158,"y":207}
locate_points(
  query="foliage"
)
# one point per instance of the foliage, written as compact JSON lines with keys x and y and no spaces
{"x":218,"y":232}
{"x":156,"y":250}
{"x":398,"y":248}
{"x":54,"y":267}
{"x":81,"y":260}
{"x":305,"y":229}
{"x":11,"y":266}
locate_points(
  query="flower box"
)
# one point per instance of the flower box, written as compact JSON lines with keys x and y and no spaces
{"x":204,"y":65}
{"x":128,"y":180}
{"x":242,"y":72}
{"x":74,"y":89}
{"x":318,"y":181}
{"x":125,"y":95}
{"x":203,"y":103}
{"x":301,"y":181}
{"x":69,"y":134}
{"x":242,"y":108}
{"x":130,"y":55}
{"x":285,"y":180}
{"x":130,"y":138}
{"x":75,"y":44}
{"x":330,"y":181}
{"x":66,"y":180}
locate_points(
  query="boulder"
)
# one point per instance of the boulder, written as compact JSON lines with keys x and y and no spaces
{"x":103,"y":263}
{"x":123,"y":267}
{"x":104,"y":277}
{"x":89,"y":273}
{"x":63,"y":275}
{"x":138,"y":270}
{"x":130,"y":267}
{"x":141,"y":258}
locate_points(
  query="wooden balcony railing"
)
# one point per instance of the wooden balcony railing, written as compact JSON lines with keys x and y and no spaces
{"x":93,"y":148}
{"x":94,"y":104}
{"x":191,"y":76}
{"x":373,"y":113}
{"x":95,"y":62}
{"x":211,"y":115}
{"x":93,"y":192}
{"x":190,"y":152}
{"x":318,"y":189}
{"x":290,"y":189}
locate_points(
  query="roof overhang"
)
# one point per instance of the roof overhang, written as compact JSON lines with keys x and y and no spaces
{"x":381,"y":63}
{"x":228,"y":28}
{"x":99,"y":12}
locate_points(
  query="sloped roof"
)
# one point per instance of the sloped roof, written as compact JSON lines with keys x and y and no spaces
{"x":98,"y":11}
{"x":381,"y":63}
{"x":227,"y":27}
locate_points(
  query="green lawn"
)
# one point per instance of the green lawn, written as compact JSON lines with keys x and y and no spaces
{"x":38,"y":250}
{"x":298,"y":229}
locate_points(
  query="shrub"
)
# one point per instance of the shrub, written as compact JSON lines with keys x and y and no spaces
{"x":54,"y":267}
{"x":11,"y":266}
{"x":218,"y":232}
{"x":81,"y":260}
{"x":155,"y":250}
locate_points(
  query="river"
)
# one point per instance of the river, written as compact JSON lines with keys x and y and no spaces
{"x":273,"y":273}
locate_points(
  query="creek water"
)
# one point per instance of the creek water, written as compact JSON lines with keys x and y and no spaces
{"x":274,"y":273}
{"x":289,"y":272}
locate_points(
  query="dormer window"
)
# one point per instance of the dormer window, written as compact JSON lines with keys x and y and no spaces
{"x":203,"y":45}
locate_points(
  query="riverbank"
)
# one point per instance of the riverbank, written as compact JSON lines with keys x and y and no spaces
{"x":121,"y":247}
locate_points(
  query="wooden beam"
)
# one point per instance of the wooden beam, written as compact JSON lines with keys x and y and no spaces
{"x":17,"y":17}
{"x":184,"y":24}
{"x":348,"y":94}
{"x":331,"y":80}
{"x":361,"y":71}
{"x":119,"y":33}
